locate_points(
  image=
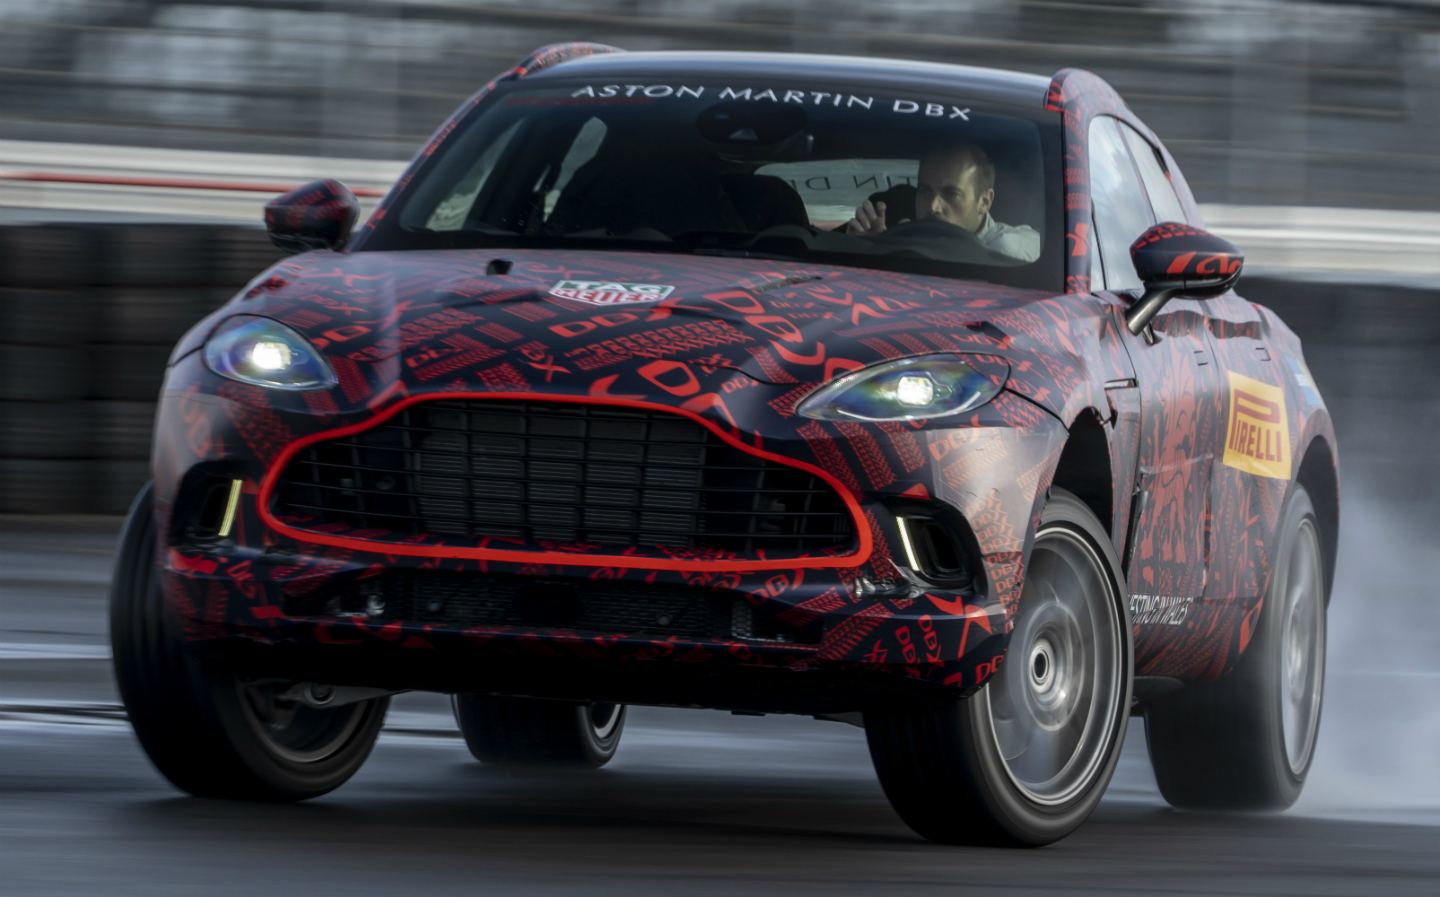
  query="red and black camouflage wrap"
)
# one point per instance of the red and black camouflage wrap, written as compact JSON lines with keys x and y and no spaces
{"x":1199,"y":554}
{"x":1185,"y":253}
{"x":319,"y":215}
{"x":736,"y":345}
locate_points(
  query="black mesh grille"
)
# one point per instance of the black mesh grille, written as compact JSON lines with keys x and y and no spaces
{"x":557,"y":472}
{"x":601,"y":607}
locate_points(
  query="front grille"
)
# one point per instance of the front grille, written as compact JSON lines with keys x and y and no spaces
{"x":600,"y":607}
{"x":561,"y":473}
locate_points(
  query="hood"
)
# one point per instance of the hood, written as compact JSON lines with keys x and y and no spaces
{"x":586,"y":322}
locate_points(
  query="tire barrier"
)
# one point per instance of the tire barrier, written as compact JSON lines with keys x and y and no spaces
{"x":88,"y":314}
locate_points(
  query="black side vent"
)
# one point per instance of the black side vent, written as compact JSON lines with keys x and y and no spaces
{"x":209,"y":516}
{"x":939,"y":546}
{"x":203,"y":506}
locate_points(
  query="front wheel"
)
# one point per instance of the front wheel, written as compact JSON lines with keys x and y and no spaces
{"x":1025,"y":760}
{"x":503,"y":731}
{"x":208,"y":730}
{"x":1245,"y":741}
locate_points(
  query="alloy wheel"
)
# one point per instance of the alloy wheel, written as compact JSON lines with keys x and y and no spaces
{"x":1302,"y":649}
{"x":1054,"y":700}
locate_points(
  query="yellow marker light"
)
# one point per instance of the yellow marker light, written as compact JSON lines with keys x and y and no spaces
{"x":904,"y":528}
{"x":268,"y":355}
{"x":231,"y":504}
{"x":915,"y":390}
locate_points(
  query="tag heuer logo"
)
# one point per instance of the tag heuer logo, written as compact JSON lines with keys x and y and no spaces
{"x":599,"y":292}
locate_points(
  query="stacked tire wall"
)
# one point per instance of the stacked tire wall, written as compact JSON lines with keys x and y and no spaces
{"x":88,"y":314}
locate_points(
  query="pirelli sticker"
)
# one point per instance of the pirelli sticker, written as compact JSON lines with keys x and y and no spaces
{"x":1258,"y":438}
{"x":599,"y":292}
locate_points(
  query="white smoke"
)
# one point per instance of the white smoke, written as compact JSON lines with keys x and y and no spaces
{"x":1377,"y":756}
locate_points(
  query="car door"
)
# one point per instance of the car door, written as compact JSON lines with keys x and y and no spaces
{"x":1250,"y":472}
{"x":1179,"y":389}
{"x":1249,"y":476}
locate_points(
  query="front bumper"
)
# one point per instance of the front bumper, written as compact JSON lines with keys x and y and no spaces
{"x":858,"y":627}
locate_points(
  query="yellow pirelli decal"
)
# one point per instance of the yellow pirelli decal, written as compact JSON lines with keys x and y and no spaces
{"x":1258,"y":439}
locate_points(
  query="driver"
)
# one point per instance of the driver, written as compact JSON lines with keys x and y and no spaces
{"x":957,"y":184}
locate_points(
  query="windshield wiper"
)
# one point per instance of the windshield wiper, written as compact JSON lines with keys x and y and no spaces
{"x":748,"y":254}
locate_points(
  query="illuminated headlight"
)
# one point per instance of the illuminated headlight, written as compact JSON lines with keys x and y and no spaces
{"x":270,"y":355}
{"x":266,"y":353}
{"x":915,"y":390}
{"x":907,"y":389}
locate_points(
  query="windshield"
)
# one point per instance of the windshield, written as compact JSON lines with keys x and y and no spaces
{"x":850,"y":176}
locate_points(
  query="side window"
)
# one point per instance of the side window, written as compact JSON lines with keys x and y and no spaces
{"x":1152,"y":170}
{"x":1121,"y":212}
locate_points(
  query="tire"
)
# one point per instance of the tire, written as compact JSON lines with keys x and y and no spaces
{"x":1246,"y":740}
{"x":1024,"y":760}
{"x":532,"y":732}
{"x":206,"y":729}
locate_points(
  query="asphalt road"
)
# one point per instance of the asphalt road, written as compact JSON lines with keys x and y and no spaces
{"x":696,"y":802}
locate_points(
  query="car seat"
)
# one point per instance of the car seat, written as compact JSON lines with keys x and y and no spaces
{"x":764,"y":201}
{"x":633,"y":187}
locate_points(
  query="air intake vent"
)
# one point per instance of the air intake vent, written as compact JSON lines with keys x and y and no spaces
{"x":599,"y":607}
{"x":561,"y":473}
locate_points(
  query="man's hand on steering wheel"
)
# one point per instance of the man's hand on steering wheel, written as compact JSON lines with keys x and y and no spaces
{"x":931,"y":229}
{"x":869,"y":220}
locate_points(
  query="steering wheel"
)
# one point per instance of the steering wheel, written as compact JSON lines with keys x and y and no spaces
{"x":929,"y":229}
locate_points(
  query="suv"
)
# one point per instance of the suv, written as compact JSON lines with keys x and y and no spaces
{"x":906,"y":395}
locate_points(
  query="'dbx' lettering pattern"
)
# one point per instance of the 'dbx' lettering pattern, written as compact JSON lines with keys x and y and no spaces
{"x":734,"y":346}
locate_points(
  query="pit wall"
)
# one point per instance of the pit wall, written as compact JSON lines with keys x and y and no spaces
{"x":88,"y":313}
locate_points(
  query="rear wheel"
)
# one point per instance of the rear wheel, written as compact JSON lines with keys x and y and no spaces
{"x":530,"y":732}
{"x":207,"y":729}
{"x":1245,"y":741}
{"x":1025,"y":760}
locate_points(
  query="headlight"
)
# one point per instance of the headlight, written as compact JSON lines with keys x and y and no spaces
{"x":907,"y":389}
{"x":266,"y":353}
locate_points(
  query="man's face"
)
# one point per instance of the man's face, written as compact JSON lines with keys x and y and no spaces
{"x":947,"y":191}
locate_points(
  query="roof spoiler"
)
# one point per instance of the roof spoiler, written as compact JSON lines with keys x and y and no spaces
{"x":554,"y":54}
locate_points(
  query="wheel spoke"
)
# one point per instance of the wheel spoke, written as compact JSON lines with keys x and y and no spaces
{"x":1051,"y":709}
{"x":293,"y":731}
{"x":1301,"y":648}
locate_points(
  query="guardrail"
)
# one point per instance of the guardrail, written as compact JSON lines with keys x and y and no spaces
{"x":220,"y":186}
{"x":214,"y":186}
{"x":163,"y":183}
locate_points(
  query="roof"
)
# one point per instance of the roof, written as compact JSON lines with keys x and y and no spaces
{"x":994,"y":85}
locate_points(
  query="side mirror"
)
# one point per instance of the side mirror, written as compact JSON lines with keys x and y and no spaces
{"x":1175,"y":259}
{"x":319,"y":215}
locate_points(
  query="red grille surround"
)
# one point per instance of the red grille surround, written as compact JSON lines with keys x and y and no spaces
{"x":490,"y":547}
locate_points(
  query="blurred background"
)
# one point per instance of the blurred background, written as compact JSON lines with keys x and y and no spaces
{"x":1263,"y":103}
{"x":140,"y":138}
{"x":1305,"y":128}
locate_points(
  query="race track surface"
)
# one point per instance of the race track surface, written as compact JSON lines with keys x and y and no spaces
{"x":696,"y":802}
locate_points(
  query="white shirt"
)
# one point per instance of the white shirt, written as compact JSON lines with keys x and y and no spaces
{"x":1020,"y":242}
